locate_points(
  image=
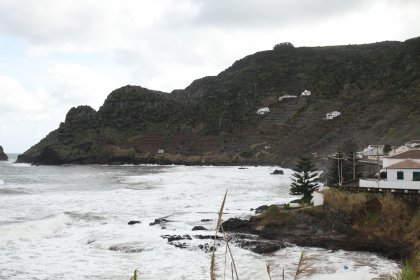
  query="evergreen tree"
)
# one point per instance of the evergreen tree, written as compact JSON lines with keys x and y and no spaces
{"x":304,"y":179}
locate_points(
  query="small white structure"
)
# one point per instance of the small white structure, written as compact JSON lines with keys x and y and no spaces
{"x":287,"y":96}
{"x":332,"y":115}
{"x":160,"y":151}
{"x":263,"y":111}
{"x":413,"y":144}
{"x":403,"y":172}
{"x":306,"y":93}
{"x":373,"y":151}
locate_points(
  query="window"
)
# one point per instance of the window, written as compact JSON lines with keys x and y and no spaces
{"x":400,"y":175}
{"x":416,"y":176}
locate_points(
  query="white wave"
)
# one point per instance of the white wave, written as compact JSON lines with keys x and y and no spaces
{"x":33,"y":229}
{"x":1,"y":182}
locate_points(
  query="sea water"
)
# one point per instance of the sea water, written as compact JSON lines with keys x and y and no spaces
{"x":70,"y":222}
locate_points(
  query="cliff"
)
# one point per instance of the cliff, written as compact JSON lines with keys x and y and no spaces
{"x":375,"y":87}
{"x":3,"y":156}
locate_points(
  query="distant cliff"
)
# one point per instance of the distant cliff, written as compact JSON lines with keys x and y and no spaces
{"x":3,"y":156}
{"x":375,"y":87}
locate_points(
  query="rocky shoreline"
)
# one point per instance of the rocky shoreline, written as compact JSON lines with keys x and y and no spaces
{"x":309,"y":227}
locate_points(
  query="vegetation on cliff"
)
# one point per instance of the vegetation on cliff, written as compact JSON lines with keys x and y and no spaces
{"x":376,"y":87}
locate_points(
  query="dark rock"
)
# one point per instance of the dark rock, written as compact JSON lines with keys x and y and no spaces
{"x":126,"y":248}
{"x":235,"y":224}
{"x":277,"y":172}
{"x":261,"y":246}
{"x":133,"y":222}
{"x":260,"y":209}
{"x":179,"y":245}
{"x":218,"y":237}
{"x":172,"y":238}
{"x":159,"y":221}
{"x":198,"y":228}
{"x":206,"y":247}
{"x":206,"y":220}
{"x":3,"y":156}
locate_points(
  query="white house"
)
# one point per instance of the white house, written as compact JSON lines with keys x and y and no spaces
{"x":413,"y":155}
{"x":160,"y":151}
{"x":287,"y":96}
{"x":263,"y":111}
{"x":373,"y":151}
{"x":413,"y":144}
{"x":403,"y":172}
{"x":306,"y":93}
{"x":332,"y":115}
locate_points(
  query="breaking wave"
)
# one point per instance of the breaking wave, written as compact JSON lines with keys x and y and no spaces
{"x":33,"y":229}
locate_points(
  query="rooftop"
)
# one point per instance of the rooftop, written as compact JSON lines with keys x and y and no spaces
{"x":405,"y":164}
{"x":413,"y":154}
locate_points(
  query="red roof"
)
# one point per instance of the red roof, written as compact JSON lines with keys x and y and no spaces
{"x":413,"y":154}
{"x":405,"y":164}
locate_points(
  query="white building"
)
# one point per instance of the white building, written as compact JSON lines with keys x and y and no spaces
{"x":332,"y":115}
{"x":263,"y":111}
{"x":413,"y":155}
{"x":373,"y":151}
{"x":287,"y":96}
{"x":403,"y":172}
{"x":413,"y":144}
{"x":306,"y":93}
{"x":160,"y":151}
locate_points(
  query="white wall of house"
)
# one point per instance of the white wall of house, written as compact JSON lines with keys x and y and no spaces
{"x":391,"y":174}
{"x":398,"y":150}
{"x":412,"y":144}
{"x":374,"y":184}
{"x":263,"y":111}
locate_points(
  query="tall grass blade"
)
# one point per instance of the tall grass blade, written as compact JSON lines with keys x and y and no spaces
{"x":213,"y":256}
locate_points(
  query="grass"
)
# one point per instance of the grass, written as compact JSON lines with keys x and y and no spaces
{"x":274,"y":215}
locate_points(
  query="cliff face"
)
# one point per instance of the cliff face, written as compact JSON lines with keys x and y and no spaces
{"x":375,"y":87}
{"x":3,"y":156}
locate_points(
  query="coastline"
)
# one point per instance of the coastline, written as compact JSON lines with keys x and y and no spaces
{"x":325,"y":227}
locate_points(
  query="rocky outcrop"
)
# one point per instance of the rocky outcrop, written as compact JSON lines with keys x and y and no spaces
{"x":3,"y":156}
{"x":311,"y":227}
{"x":214,"y":120}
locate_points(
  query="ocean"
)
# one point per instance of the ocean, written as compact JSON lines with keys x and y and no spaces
{"x":71,"y":222}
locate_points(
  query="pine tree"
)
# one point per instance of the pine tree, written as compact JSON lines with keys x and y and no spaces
{"x":304,"y":179}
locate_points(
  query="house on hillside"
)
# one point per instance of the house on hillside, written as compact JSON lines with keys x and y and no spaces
{"x":373,"y":151}
{"x":263,"y":111}
{"x":287,"y":96}
{"x":332,"y":115}
{"x":413,"y":144}
{"x":306,"y":93}
{"x":403,"y":173}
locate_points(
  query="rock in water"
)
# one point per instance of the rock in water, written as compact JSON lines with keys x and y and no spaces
{"x":3,"y":156}
{"x":278,"y":172}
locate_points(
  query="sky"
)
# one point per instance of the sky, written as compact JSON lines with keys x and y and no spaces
{"x":55,"y":55}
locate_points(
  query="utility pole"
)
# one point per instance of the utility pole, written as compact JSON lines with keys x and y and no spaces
{"x":354,"y":166}
{"x":339,"y":168}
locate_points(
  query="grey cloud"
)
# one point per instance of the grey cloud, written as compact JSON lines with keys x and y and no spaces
{"x":269,"y":12}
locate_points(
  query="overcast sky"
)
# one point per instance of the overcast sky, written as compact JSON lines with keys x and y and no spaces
{"x":58,"y":54}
